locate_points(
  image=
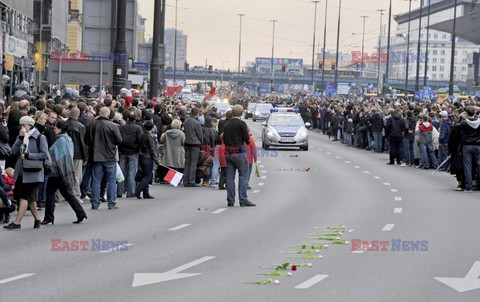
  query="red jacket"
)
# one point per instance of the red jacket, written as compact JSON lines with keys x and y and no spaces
{"x":221,"y":156}
{"x":251,"y":151}
{"x":128,"y":101}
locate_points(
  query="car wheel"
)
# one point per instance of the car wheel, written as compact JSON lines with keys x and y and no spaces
{"x":254,"y":120}
{"x":304,"y":148}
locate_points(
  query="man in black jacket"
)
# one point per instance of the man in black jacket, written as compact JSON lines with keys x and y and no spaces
{"x":193,"y":142}
{"x":395,"y":130}
{"x":76,"y":131}
{"x":129,"y":150}
{"x":235,"y":135}
{"x":103,"y":138}
{"x":471,"y":147}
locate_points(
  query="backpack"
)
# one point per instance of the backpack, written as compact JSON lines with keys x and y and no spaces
{"x":47,"y":162}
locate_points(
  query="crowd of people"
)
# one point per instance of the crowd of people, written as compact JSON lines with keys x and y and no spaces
{"x":75,"y":149}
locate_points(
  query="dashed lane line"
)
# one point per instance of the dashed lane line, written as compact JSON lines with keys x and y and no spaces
{"x":388,"y":227}
{"x":311,"y":282}
{"x":386,"y":183}
{"x":15,"y":278}
{"x":398,"y":198}
{"x":397,"y":211}
{"x":394,"y":190}
{"x":179,"y":227}
{"x":219,"y":211}
{"x":256,"y":191}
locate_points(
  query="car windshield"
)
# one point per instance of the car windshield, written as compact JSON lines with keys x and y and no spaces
{"x":263,"y":107}
{"x":285,"y":120}
{"x":251,"y":105}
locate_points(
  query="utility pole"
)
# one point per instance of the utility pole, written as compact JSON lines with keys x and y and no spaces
{"x":387,"y":70}
{"x":363,"y":37}
{"x":313,"y":52}
{"x":379,"y":86}
{"x":120,"y":70}
{"x":273,"y":53}
{"x":338,"y":45}
{"x":417,"y":78}
{"x":240,"y":42}
{"x":154,"y":63}
{"x":408,"y":48}
{"x":426,"y":48}
{"x":324,"y":46}
{"x":452,"y":60}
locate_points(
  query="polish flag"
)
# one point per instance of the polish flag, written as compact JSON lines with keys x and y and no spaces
{"x":173,"y":177}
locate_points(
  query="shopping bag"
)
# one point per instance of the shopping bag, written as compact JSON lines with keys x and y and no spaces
{"x":120,"y":178}
{"x":257,"y":173}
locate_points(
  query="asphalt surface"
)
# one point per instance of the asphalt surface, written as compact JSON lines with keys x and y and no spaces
{"x":240,"y":242}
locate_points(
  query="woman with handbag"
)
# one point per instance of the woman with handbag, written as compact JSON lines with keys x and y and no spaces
{"x":147,"y":159}
{"x":31,"y":148}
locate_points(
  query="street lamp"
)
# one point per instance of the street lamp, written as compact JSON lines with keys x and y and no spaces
{"x":273,"y":53}
{"x":240,"y":42}
{"x":408,"y":47}
{"x":324,"y":46}
{"x":363,"y":37}
{"x":388,"y":42}
{"x":379,"y":86}
{"x":313,"y":46}
{"x":426,"y":48}
{"x":338,"y":44}
{"x":175,"y":46}
{"x":417,"y":79}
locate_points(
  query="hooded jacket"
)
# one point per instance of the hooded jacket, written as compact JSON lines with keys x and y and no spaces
{"x":395,"y":126}
{"x":376,"y":121}
{"x":173,"y":152}
{"x":445,"y":129}
{"x":471,"y":131}
{"x":425,"y":130}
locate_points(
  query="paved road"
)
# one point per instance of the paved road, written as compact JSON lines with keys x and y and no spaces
{"x":170,"y":235}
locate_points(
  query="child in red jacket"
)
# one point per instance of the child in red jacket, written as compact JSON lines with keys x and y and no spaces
{"x":9,"y":181}
{"x":251,"y":150}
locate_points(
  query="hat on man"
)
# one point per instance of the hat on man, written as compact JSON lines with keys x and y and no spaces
{"x":26,"y":120}
{"x":444,"y":113}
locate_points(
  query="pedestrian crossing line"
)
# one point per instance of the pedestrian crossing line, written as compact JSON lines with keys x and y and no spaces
{"x":347,"y":162}
{"x":388,"y":227}
{"x":116,"y":248}
{"x":377,"y":177}
{"x":259,"y":161}
{"x":264,"y":177}
{"x":329,"y":153}
{"x":219,"y":211}
{"x":311,"y":282}
{"x":263,"y":171}
{"x":261,"y":184}
{"x":366,"y":172}
{"x":262,"y":166}
{"x":256,"y":191}
{"x":361,"y":250}
{"x":320,"y":149}
{"x":386,"y":183}
{"x":397,"y":211}
{"x":398,"y":198}
{"x":179,"y":227}
{"x":15,"y":278}
{"x":338,"y":157}
{"x":356,"y":167}
{"x":394,"y":190}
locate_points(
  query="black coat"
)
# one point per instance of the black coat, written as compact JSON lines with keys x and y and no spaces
{"x":131,"y":133}
{"x":376,"y":121}
{"x":102,"y":138}
{"x":77,"y":131}
{"x":395,"y":126}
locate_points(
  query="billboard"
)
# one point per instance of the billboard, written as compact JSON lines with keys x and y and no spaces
{"x":279,"y":61}
{"x":86,"y":73}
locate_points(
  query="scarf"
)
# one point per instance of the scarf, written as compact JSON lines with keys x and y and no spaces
{"x":26,"y":138}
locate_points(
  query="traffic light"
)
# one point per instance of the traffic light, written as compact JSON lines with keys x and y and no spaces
{"x":320,"y":65}
{"x":210,"y":67}
{"x":333,"y":65}
{"x":284,"y":68}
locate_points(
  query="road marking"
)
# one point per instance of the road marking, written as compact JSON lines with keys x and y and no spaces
{"x":263,"y":171}
{"x":311,"y":282}
{"x":366,"y":172}
{"x":15,"y":278}
{"x":386,"y":183}
{"x":219,"y":211}
{"x":388,"y":227}
{"x":397,"y":211}
{"x":261,"y":184}
{"x":398,"y":198}
{"x":377,"y":177}
{"x":141,"y":279}
{"x":261,"y":166}
{"x":347,"y":162}
{"x":259,"y":161}
{"x":320,"y":149}
{"x":394,"y":190}
{"x":337,"y":157}
{"x":116,"y":248}
{"x":255,"y":191}
{"x":361,"y":250}
{"x":329,"y":153}
{"x":470,"y":282}
{"x":356,"y":167}
{"x":264,"y":177}
{"x":179,"y":227}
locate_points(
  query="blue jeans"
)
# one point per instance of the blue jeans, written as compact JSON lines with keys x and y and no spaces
{"x":250,"y":168}
{"x":86,"y":187}
{"x":408,"y":150}
{"x":129,"y":166}
{"x":442,"y":155}
{"x":377,"y":141}
{"x":236,"y":162}
{"x":428,"y":156}
{"x":215,"y":167}
{"x":349,"y":139}
{"x":42,"y":191}
{"x":98,"y":170}
{"x":146,"y":164}
{"x":471,"y":155}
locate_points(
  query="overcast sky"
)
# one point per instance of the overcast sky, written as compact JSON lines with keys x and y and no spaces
{"x":212,"y":27}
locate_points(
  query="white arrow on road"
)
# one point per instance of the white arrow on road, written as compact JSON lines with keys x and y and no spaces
{"x":470,"y":282}
{"x":15,"y":278}
{"x":152,"y":278}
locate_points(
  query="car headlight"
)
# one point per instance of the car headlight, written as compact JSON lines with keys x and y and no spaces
{"x":302,"y":133}
{"x":258,"y":113}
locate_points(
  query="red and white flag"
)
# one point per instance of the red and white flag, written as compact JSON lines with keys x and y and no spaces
{"x":173,"y":177}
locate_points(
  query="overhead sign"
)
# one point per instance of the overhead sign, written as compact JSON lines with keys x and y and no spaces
{"x":87,"y":73}
{"x":9,"y":60}
{"x":279,"y":61}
